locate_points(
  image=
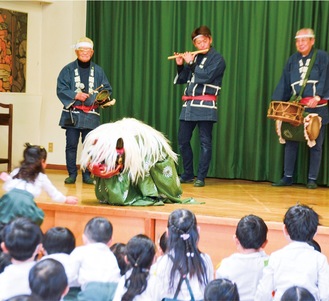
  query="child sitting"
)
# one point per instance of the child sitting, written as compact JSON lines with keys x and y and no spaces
{"x":94,"y":263}
{"x":22,"y":240}
{"x":27,"y":182}
{"x":298,"y":263}
{"x":48,"y":281}
{"x":140,"y":253}
{"x":58,"y":243}
{"x":245,"y":268}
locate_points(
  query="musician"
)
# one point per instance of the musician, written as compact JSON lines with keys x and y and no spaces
{"x":315,"y":96}
{"x":77,"y":86}
{"x":203,"y":73}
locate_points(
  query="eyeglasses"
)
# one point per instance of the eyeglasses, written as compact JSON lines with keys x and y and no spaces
{"x":85,"y":50}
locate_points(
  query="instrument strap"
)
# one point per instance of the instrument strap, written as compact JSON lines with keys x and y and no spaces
{"x":310,"y":66}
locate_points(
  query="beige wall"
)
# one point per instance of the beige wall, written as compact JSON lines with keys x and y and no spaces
{"x":53,"y":27}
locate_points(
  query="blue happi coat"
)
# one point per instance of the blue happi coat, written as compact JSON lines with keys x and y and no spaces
{"x":69,"y":84}
{"x":205,"y":80}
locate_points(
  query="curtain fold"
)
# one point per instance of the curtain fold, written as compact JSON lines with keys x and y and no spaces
{"x":134,"y":38}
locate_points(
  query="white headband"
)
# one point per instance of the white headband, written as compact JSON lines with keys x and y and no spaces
{"x":305,"y":36}
{"x":84,"y":44}
{"x":198,"y":36}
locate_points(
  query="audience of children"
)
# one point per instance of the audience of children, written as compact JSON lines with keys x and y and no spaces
{"x":22,"y":240}
{"x":297,"y":272}
{"x":298,"y":263}
{"x":182,"y":260}
{"x":221,"y":290}
{"x":26,"y":183}
{"x":134,"y":285}
{"x":245,"y":268}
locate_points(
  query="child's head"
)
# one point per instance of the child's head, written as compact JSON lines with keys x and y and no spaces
{"x":251,"y":232}
{"x":21,"y":239}
{"x":98,"y":229}
{"x":163,"y":242}
{"x":297,"y":293}
{"x":301,"y":223}
{"x":119,"y":251}
{"x":183,"y":232}
{"x":140,"y":252}
{"x":34,"y":162}
{"x":48,"y":280}
{"x":221,"y":289}
{"x":58,"y":240}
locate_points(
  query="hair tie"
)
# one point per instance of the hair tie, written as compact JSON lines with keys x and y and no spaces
{"x":190,"y":254}
{"x":185,"y":236}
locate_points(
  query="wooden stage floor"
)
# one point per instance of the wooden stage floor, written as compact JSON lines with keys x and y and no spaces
{"x":225,"y":202}
{"x":222,"y":198}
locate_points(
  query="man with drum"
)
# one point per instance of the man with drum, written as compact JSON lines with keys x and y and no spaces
{"x":78,"y":85}
{"x":314,"y":96}
{"x":203,"y":73}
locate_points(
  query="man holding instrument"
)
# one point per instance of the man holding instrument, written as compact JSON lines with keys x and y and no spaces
{"x":314,"y":96}
{"x":203,"y":72}
{"x":78,"y":84}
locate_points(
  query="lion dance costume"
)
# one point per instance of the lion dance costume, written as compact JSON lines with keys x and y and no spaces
{"x":133,"y":164}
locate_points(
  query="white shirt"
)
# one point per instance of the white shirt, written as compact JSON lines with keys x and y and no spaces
{"x":65,"y":260}
{"x":42,"y":182}
{"x":161,"y":288}
{"x":245,"y":270}
{"x":296,"y":264}
{"x":144,"y":296}
{"x":14,"y":280}
{"x":94,"y":262}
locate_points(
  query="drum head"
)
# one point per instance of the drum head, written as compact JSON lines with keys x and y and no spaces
{"x":313,"y":129}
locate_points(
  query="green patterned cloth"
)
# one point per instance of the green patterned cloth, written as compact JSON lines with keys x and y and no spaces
{"x":19,"y":203}
{"x":160,"y":186}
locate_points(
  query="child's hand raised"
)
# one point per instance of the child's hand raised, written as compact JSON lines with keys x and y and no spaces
{"x":4,"y":176}
{"x":71,"y":200}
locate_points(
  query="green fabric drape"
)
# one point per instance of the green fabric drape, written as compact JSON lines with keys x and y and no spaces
{"x":134,"y":38}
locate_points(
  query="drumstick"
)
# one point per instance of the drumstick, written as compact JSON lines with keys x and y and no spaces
{"x":180,"y":54}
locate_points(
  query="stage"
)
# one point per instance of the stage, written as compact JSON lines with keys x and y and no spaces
{"x":225,"y":202}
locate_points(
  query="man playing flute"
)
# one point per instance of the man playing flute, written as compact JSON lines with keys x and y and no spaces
{"x":203,"y":73}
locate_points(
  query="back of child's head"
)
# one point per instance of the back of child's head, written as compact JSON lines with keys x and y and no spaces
{"x":183,"y":238}
{"x":48,"y":280}
{"x":119,"y":251}
{"x":99,"y":229}
{"x":31,"y":166}
{"x":140,"y":252}
{"x":182,"y":228}
{"x":21,"y":238}
{"x":301,"y":223}
{"x":251,"y":232}
{"x":163,"y":242}
{"x":297,"y":293}
{"x":58,"y":240}
{"x":221,"y":289}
